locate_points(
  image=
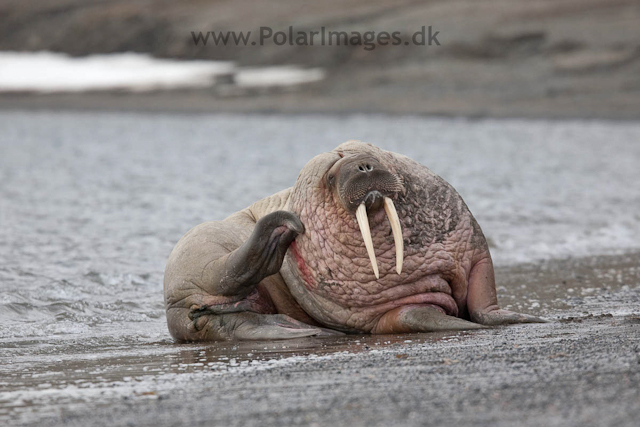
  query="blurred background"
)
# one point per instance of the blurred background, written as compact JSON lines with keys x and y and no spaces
{"x":500,"y":58}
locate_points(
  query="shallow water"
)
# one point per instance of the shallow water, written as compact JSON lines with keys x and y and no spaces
{"x":92,"y":204}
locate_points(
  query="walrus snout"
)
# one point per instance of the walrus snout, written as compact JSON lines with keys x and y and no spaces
{"x":363,"y":179}
{"x":363,"y":186}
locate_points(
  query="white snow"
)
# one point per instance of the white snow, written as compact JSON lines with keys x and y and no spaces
{"x":57,"y":72}
{"x":277,"y":76}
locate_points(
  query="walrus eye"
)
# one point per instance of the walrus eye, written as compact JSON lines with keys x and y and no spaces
{"x":330,"y":179}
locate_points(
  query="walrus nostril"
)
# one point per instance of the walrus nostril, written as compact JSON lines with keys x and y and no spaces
{"x":365,"y":167}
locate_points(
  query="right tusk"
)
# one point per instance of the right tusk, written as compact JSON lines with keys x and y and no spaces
{"x":363,"y":223}
{"x":396,"y":228}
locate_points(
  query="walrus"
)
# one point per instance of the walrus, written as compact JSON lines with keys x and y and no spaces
{"x":366,"y":241}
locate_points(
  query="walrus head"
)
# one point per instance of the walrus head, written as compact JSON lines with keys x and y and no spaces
{"x":351,"y":185}
{"x":362,"y":185}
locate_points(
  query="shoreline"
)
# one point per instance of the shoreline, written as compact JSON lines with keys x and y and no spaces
{"x":294,"y":104}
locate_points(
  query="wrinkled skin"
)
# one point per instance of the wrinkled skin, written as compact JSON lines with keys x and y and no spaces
{"x":295,"y":264}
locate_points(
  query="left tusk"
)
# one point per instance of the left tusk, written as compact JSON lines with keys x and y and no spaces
{"x":363,"y":223}
{"x":396,"y":228}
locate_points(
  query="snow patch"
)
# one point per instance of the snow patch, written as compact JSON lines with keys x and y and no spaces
{"x":56,"y":72}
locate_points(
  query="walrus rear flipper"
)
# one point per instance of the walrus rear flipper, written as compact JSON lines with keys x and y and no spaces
{"x":259,"y":256}
{"x":252,"y":326}
{"x":238,"y":322}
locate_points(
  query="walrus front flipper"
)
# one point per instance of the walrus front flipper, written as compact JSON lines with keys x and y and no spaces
{"x":421,"y":319}
{"x":482,"y":301}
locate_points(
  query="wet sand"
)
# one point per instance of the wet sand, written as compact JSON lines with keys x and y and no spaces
{"x":581,"y":369}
